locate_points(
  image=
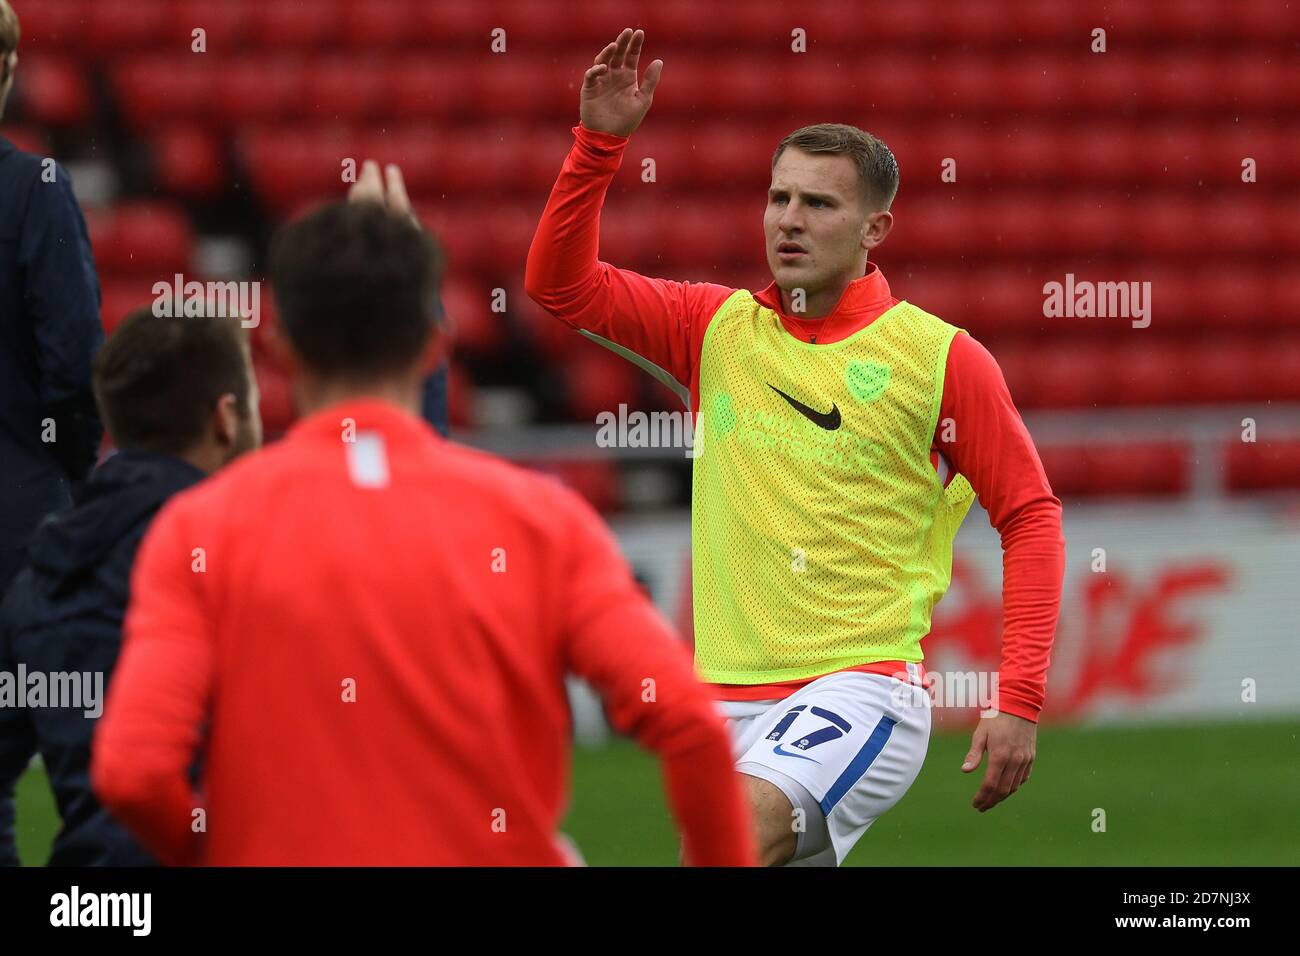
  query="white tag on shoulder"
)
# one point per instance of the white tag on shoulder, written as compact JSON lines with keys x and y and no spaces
{"x":368,"y":461}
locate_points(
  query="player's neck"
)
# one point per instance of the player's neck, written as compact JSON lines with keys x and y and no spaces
{"x":313,"y":394}
{"x":815,"y":306}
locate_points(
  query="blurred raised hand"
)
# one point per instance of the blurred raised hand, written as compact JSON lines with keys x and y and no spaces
{"x":389,"y":189}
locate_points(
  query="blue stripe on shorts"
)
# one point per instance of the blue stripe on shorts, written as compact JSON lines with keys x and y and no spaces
{"x":859,"y":765}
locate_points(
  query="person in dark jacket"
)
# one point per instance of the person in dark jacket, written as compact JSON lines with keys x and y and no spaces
{"x":49,"y":331}
{"x":179,"y":399}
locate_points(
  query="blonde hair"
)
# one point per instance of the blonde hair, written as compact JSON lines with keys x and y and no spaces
{"x":9,"y":31}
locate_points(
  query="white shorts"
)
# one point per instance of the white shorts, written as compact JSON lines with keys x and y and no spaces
{"x":843,"y":749}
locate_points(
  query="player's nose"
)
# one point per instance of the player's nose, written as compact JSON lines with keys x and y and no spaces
{"x":791,"y":221}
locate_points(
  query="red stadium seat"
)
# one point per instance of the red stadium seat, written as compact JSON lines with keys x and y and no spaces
{"x":1000,"y":299}
{"x":597,"y":380}
{"x":539,"y":162}
{"x":551,"y":338}
{"x":1267,"y":464}
{"x":225,"y":23}
{"x":520,"y":84}
{"x":430,"y":89}
{"x":1262,"y":23}
{"x":155,"y":91}
{"x":1283,"y":306}
{"x":455,"y":26}
{"x":119,"y":28}
{"x":1284,"y":229}
{"x":343,"y":88}
{"x":1166,"y":225}
{"x":1277,"y":361}
{"x":1067,"y":469}
{"x":1150,"y":371}
{"x":254,"y":89}
{"x":1138,"y":468}
{"x":188,"y":162}
{"x":51,"y":90}
{"x":1074,"y":375}
{"x":141,"y":238}
{"x":120,"y":296}
{"x":295,"y":24}
{"x":1223,"y":371}
{"x":1227,"y":297}
{"x":459,"y":227}
{"x":377,"y":24}
{"x":476,"y":330}
{"x":1107,"y":469}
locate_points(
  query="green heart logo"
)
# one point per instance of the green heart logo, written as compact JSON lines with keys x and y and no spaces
{"x":866,"y":380}
{"x":724,"y":416}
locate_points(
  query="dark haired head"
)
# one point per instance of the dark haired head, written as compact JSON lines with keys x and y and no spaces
{"x":357,"y":288}
{"x":159,"y":379}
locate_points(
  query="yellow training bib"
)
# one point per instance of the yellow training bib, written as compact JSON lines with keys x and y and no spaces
{"x":821,"y":533}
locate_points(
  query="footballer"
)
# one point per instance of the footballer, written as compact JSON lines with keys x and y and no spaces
{"x":848,"y":433}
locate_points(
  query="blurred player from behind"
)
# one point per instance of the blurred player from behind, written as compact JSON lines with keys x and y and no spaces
{"x":372,"y":653}
{"x":180,"y":401}
{"x":845,"y":435}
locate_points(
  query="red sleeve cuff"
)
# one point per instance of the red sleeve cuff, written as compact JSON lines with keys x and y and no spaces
{"x":607,"y":144}
{"x":1017,"y":708}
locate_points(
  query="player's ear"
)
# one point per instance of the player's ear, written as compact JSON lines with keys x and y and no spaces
{"x":225,"y":421}
{"x":876,"y":227}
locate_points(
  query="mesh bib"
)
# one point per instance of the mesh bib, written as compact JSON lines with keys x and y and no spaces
{"x":821,"y":533}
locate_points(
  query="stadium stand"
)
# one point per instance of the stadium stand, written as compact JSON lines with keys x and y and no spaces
{"x":1114,"y":166}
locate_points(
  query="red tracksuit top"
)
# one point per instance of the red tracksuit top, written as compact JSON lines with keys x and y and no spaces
{"x":664,"y":321}
{"x":445,"y":592}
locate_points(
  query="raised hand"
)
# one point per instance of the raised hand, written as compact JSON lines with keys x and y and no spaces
{"x":612,"y":101}
{"x":389,"y":190}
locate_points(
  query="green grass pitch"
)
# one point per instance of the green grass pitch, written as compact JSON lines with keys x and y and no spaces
{"x":1185,"y":795}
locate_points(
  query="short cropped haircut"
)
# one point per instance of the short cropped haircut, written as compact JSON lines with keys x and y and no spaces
{"x":877,"y":167}
{"x":357,"y":288}
{"x":157,"y":379}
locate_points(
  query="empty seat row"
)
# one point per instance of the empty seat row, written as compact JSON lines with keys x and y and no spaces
{"x":110,"y":28}
{"x":288,"y":162}
{"x":156,"y":89}
{"x":649,"y":232}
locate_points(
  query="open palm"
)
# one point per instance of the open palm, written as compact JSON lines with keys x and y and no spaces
{"x":612,"y":101}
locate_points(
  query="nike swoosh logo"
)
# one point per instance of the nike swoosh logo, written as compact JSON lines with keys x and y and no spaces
{"x":827,"y":420}
{"x":786,"y":753}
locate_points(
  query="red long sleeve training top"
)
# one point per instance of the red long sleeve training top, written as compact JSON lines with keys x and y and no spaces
{"x":375,"y":635}
{"x":664,"y":321}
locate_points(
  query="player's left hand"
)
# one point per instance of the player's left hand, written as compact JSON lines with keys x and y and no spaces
{"x":388,"y":190}
{"x":1011,"y":743}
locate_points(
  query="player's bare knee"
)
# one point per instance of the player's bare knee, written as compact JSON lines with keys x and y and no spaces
{"x":774,"y":819}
